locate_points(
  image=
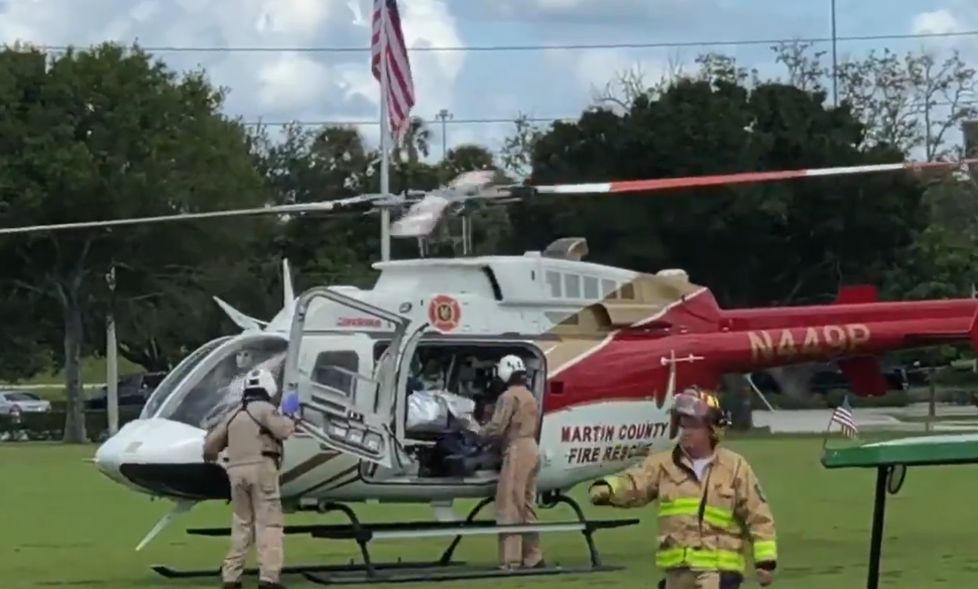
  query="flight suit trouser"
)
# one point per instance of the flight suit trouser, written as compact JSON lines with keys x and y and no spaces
{"x":689,"y":579}
{"x":515,"y":495}
{"x":256,"y":504}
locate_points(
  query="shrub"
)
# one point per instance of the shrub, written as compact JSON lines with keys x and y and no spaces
{"x":833,"y":399}
{"x":51,"y":425}
{"x":949,"y":377}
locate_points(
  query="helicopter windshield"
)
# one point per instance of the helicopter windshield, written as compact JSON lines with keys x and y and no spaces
{"x":206,"y":399}
{"x":176,"y":377}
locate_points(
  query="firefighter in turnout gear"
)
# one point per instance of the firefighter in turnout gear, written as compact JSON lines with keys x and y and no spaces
{"x":710,"y":502}
{"x":513,"y":427}
{"x":253,"y":437}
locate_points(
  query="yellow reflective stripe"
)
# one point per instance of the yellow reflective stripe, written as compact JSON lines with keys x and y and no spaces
{"x":716,"y":516}
{"x":765,"y":550}
{"x":679,"y":507}
{"x":719,"y":560}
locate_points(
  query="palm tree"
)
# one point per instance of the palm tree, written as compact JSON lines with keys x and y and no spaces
{"x":415,"y":142}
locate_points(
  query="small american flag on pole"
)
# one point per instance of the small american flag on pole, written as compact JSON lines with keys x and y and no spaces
{"x":844,"y":417}
{"x":391,"y":65}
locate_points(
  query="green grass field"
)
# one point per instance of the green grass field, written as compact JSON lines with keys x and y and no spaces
{"x":64,"y":524}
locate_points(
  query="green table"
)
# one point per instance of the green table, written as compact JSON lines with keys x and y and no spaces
{"x":891,"y":459}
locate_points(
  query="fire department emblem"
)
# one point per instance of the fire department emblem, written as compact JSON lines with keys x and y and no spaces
{"x":444,"y":313}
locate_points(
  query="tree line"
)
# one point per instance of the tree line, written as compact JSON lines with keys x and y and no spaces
{"x":111,"y":132}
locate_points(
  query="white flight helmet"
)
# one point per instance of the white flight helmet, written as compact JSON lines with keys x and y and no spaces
{"x":508,"y":366}
{"x":261,"y":379}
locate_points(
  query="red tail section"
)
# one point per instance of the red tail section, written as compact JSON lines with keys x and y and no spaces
{"x":973,"y":332}
{"x":864,"y":373}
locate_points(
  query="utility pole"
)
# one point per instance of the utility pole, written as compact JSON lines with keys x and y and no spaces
{"x":111,"y":359}
{"x":928,"y":138}
{"x":444,"y":116}
{"x":835,"y":56}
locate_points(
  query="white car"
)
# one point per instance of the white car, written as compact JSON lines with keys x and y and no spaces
{"x":13,"y":401}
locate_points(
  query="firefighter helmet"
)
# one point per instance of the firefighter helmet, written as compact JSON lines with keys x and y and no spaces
{"x":701,"y":404}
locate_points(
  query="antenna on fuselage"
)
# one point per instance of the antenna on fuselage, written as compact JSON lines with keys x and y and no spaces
{"x":288,"y":289}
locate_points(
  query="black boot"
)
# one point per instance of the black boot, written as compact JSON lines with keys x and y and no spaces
{"x":232,"y":585}
{"x":270,"y":585}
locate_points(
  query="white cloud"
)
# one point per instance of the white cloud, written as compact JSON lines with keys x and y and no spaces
{"x":290,"y":81}
{"x":427,"y":23}
{"x":276,"y":82}
{"x":939,"y":22}
{"x":265,"y":83}
{"x":600,"y":71}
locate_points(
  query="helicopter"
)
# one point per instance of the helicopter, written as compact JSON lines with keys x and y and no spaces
{"x":606,"y":350}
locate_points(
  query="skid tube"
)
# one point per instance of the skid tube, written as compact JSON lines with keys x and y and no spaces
{"x":445,"y":568}
{"x":340,"y":531}
{"x":442,"y":569}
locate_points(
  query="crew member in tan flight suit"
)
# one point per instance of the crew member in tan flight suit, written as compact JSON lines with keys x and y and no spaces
{"x":253,"y":436}
{"x":513,"y":427}
{"x":710,"y":503}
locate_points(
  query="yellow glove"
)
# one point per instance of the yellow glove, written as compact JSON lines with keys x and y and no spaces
{"x":600,"y":493}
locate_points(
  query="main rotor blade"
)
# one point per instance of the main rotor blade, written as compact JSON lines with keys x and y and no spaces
{"x":424,"y":215}
{"x":739,"y":178}
{"x":421,"y":219}
{"x":275,"y":210}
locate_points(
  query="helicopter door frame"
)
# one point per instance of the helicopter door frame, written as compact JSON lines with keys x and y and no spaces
{"x":402,"y":371}
{"x":351,"y":427}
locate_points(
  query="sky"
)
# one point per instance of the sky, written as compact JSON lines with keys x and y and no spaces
{"x":279,"y":57}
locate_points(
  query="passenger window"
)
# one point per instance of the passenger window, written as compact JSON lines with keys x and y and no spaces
{"x":608,"y":288}
{"x":628,"y":291}
{"x":553,"y":279}
{"x":337,"y":370}
{"x":591,"y":288}
{"x":572,"y":286}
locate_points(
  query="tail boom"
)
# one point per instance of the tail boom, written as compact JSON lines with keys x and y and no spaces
{"x":852,"y":338}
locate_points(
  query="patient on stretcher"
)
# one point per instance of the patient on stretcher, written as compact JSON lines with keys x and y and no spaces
{"x":447,"y":418}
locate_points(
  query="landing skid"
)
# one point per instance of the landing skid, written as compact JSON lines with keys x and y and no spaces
{"x":442,"y":569}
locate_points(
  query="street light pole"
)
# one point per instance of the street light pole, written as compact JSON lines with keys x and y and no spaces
{"x":444,"y":116}
{"x":111,"y":359}
{"x":835,"y":55}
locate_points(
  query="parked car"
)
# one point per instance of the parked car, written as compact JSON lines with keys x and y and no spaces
{"x":134,"y":391}
{"x":829,"y":378}
{"x":13,"y":401}
{"x":918,"y":375}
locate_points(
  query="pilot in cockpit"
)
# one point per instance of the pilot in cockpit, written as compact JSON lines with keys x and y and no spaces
{"x":433,"y":374}
{"x":227,"y":382}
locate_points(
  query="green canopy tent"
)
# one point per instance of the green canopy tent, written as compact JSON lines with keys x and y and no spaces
{"x":891,"y":459}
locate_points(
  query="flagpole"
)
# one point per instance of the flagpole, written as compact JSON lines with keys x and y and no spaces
{"x":385,"y":139}
{"x":825,"y":434}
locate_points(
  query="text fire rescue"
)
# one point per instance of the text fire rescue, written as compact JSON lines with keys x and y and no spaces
{"x":594,"y":444}
{"x":811,"y":342}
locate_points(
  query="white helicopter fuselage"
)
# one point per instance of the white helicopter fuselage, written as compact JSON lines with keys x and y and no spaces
{"x":350,"y":355}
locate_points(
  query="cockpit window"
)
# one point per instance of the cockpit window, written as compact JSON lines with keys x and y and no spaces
{"x":177,"y":376}
{"x":203,"y":401}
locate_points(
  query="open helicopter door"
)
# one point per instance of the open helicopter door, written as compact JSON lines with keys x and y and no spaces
{"x":358,"y":421}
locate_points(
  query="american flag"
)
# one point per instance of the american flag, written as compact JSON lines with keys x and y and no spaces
{"x":843,"y":416}
{"x":394,"y":65}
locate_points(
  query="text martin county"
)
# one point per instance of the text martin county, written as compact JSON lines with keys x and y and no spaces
{"x":594,"y":444}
